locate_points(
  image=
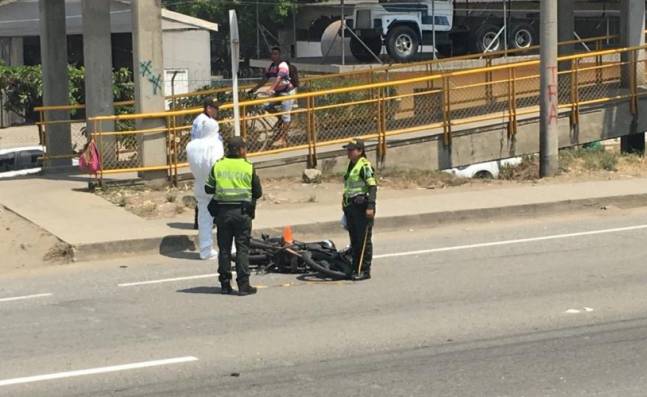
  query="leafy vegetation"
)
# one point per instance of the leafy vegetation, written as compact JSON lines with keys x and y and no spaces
{"x":23,"y":88}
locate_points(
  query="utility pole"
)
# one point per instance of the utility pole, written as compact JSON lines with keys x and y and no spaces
{"x":548,"y":128}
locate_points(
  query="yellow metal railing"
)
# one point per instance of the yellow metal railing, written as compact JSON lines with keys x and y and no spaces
{"x":432,"y":104}
{"x":310,"y":83}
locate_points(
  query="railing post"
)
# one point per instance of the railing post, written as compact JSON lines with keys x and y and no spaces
{"x":447,"y":128}
{"x":97,"y":128}
{"x":381,"y":125}
{"x":598,"y":63}
{"x":176,"y":141}
{"x":243,"y":124}
{"x":169,"y":149}
{"x":311,"y":134}
{"x":489,"y":92}
{"x":512,"y":103}
{"x":634,"y":82}
{"x":575,"y":94}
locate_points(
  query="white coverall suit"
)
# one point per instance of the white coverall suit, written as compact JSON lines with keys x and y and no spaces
{"x":203,"y":151}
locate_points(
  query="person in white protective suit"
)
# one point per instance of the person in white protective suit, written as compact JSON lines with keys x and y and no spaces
{"x":203,"y":151}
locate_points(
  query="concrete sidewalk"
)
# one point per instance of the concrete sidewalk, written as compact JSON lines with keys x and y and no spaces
{"x":93,"y":227}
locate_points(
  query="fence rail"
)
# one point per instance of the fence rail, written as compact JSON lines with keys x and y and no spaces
{"x":75,"y":114}
{"x":437,"y":103}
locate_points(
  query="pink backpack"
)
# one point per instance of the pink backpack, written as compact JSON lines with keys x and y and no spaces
{"x":89,"y":160}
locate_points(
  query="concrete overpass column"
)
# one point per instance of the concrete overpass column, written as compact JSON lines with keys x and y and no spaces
{"x":53,"y":46}
{"x":97,"y":55}
{"x":148,"y":65}
{"x":632,"y":28}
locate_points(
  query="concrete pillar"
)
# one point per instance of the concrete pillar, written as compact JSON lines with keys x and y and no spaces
{"x":632,"y":28}
{"x":148,"y":65}
{"x":53,"y":46}
{"x":548,"y":129}
{"x":97,"y":55}
{"x":16,"y":53}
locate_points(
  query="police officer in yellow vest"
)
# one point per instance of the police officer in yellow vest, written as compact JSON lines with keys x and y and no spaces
{"x":360,"y":192}
{"x":235,"y":188}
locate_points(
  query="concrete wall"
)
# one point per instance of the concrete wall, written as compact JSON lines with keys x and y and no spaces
{"x":189,"y":50}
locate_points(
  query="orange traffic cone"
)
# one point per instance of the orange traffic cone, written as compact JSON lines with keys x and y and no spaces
{"x":287,"y":235}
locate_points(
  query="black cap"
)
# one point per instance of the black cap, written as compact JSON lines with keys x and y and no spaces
{"x":213,"y":102}
{"x":235,"y":144}
{"x":354,"y":143}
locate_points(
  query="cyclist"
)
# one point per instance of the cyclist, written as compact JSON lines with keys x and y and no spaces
{"x":282,"y":84}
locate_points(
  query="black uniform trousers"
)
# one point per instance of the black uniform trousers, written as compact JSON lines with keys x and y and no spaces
{"x":360,"y":228}
{"x":233,"y":225}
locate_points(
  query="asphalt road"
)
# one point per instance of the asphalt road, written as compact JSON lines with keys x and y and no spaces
{"x":537,"y":307}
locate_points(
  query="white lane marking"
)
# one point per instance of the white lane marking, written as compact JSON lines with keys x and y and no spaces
{"x":588,"y":309}
{"x":95,"y":371}
{"x":572,"y":311}
{"x":168,"y":280}
{"x":19,"y":298}
{"x":510,"y":242}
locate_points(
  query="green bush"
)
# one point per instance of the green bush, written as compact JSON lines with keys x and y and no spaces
{"x":23,"y":88}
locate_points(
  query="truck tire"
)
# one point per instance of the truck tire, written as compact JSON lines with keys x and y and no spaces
{"x":485,"y":35}
{"x":360,"y":52}
{"x":402,"y":43}
{"x":522,"y":36}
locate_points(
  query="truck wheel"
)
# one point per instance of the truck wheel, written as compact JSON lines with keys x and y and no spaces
{"x":484,"y":37}
{"x":402,"y":43}
{"x":522,"y":36}
{"x":360,"y":52}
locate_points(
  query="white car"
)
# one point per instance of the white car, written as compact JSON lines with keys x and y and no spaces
{"x":26,"y":160}
{"x":487,"y":170}
{"x":21,"y":161}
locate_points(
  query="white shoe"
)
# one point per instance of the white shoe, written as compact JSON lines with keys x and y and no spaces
{"x":213,"y":254}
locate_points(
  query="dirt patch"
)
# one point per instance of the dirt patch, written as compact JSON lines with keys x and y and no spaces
{"x":150,"y":202}
{"x":576,"y":165}
{"x":26,"y":246}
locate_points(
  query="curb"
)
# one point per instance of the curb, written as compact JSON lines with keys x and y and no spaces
{"x":168,"y":245}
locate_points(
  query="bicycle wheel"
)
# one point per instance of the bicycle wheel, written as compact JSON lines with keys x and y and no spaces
{"x":327,"y":264}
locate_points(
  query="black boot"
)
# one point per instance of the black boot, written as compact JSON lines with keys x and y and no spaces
{"x":225,"y":288}
{"x":245,"y":289}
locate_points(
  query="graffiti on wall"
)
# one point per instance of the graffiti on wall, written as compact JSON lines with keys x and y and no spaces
{"x":145,"y":69}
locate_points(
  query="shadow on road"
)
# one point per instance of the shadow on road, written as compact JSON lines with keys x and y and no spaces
{"x":201,"y":290}
{"x":180,"y":225}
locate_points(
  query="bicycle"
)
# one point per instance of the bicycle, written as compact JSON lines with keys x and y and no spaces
{"x":261,"y":133}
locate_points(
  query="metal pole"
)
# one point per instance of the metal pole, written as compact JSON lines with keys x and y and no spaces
{"x":548,"y":129}
{"x":433,"y":18}
{"x":505,"y":28}
{"x":294,"y":29}
{"x":343,"y":35}
{"x":258,"y":34}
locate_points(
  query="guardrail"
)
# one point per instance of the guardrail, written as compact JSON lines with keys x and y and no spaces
{"x":311,"y":83}
{"x":437,"y":103}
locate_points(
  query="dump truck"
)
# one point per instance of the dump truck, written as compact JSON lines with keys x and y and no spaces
{"x":460,"y":26}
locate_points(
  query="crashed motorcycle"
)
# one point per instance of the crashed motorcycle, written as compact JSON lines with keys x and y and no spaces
{"x":281,"y":255}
